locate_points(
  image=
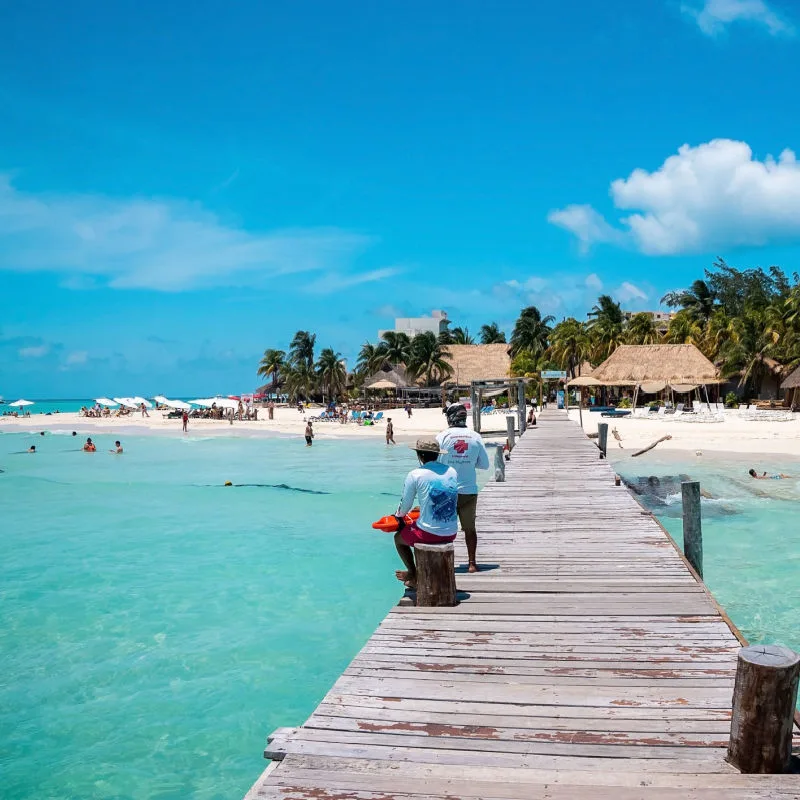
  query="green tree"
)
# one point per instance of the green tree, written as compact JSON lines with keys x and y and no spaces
{"x":272,"y":363}
{"x":491,"y":334}
{"x":531,"y":332}
{"x":642,"y":329}
{"x":698,"y":301}
{"x":371,"y":358}
{"x":461,"y":336}
{"x":299,"y":380}
{"x":331,"y":373}
{"x":606,"y":327}
{"x":569,"y":345}
{"x":683,"y":329}
{"x":428,"y":359}
{"x":396,"y":347}
{"x":301,"y":348}
{"x":747,"y":351}
{"x":525,"y":365}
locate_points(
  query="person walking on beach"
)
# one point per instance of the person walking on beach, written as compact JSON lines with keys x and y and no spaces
{"x":408,"y":410}
{"x":309,"y":434}
{"x":389,"y":432}
{"x":435,"y":485}
{"x":143,"y":409}
{"x":465,"y":453}
{"x":185,"y":420}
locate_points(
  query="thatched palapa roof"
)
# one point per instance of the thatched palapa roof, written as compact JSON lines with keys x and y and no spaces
{"x":792,"y":381}
{"x":476,"y":362}
{"x":632,"y":364}
{"x":394,"y":378}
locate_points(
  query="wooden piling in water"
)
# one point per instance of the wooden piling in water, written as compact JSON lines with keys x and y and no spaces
{"x":764,"y":698}
{"x":602,"y":438}
{"x":499,"y":465}
{"x":692,"y":525}
{"x":510,"y":433}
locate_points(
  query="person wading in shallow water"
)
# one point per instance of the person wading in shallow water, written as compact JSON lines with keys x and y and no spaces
{"x":465,"y":453}
{"x":389,"y":431}
{"x":309,"y":434}
{"x":435,"y":485}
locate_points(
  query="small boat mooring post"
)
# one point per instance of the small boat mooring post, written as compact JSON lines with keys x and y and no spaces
{"x":692,"y":526}
{"x":436,"y":577}
{"x":510,"y":432}
{"x":602,"y":438}
{"x":764,"y":697}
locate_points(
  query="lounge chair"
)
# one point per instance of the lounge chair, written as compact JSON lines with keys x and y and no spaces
{"x":378,"y":417}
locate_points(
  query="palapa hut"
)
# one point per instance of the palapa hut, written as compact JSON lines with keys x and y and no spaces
{"x":651,"y":368}
{"x":394,"y":378}
{"x":476,"y":362}
{"x":791,"y":386}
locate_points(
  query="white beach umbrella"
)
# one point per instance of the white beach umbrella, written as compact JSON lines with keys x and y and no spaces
{"x":226,"y":402}
{"x":201,"y":403}
{"x":104,"y":401}
{"x":128,"y":402}
{"x":179,"y":404}
{"x":21,"y":403}
{"x":139,"y":400}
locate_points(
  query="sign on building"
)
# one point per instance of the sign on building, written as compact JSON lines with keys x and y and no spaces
{"x":553,"y":374}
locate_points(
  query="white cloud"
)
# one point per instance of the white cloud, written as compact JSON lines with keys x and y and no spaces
{"x":705,"y":198}
{"x":76,"y":358}
{"x":167,"y":245}
{"x":627,"y":291}
{"x":587,"y":224}
{"x":714,"y":16}
{"x":333,"y":281}
{"x":37,"y":351}
{"x":593,"y":282}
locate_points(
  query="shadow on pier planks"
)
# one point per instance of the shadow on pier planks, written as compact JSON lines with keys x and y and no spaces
{"x":589,"y":664}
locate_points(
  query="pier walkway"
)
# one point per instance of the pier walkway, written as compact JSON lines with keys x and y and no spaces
{"x":585,"y":663}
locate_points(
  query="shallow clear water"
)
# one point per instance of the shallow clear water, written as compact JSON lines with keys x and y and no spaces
{"x":751,"y":533}
{"x":155,"y":625}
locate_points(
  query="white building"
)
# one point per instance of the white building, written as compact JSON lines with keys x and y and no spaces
{"x":436,"y":323}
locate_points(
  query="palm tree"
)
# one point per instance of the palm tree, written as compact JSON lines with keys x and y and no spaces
{"x":331,"y":372}
{"x":461,"y":336}
{"x":699,"y":301}
{"x":428,"y":359}
{"x":301,"y":348}
{"x":641,"y":329}
{"x":299,"y":380}
{"x":684,"y":330}
{"x":569,"y":345}
{"x":746,"y":352}
{"x":605,"y":326}
{"x":531,"y":332}
{"x":491,"y":334}
{"x":272,"y":363}
{"x":371,"y":358}
{"x":397,"y":347}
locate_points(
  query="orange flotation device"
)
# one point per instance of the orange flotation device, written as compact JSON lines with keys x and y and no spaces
{"x":389,"y":524}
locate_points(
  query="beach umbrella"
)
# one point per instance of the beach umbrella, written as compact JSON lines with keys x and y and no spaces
{"x":179,"y":404}
{"x":104,"y":401}
{"x":139,"y":400}
{"x":201,"y":403}
{"x":128,"y":402}
{"x":225,"y":402}
{"x":21,"y":403}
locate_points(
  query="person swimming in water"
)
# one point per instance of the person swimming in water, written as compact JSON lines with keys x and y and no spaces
{"x":89,"y":446}
{"x":117,"y":448}
{"x":764,"y":477}
{"x":32,"y":448}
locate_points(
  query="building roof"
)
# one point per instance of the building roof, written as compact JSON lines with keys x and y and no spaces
{"x":792,"y":381}
{"x":395,"y":378}
{"x":632,"y":364}
{"x":477,"y":362}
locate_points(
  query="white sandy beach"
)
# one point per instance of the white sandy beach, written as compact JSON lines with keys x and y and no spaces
{"x":734,"y":435}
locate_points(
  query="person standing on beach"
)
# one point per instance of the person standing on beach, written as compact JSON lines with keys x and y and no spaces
{"x":465,"y":453}
{"x":143,"y":409}
{"x":435,"y":485}
{"x":408,"y":410}
{"x":309,"y":434}
{"x":185,"y":420}
{"x":389,"y":432}
{"x":271,"y":409}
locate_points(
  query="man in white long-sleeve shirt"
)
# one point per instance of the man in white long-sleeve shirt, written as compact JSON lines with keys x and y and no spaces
{"x":435,"y":486}
{"x":465,"y":453}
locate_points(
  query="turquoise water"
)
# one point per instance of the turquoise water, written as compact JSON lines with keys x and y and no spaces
{"x":751,"y":535}
{"x":48,"y":406}
{"x":155,"y":626}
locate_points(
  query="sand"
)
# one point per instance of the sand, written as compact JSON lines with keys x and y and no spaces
{"x":734,"y":435}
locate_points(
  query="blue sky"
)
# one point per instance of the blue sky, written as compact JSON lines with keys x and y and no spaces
{"x":183,"y":185}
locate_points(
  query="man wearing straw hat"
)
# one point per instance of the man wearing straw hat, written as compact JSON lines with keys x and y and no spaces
{"x":435,"y":485}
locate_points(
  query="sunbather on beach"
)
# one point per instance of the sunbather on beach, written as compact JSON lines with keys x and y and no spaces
{"x":764,"y":477}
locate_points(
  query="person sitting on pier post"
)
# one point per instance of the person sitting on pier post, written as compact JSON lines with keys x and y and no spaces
{"x":465,"y":453}
{"x":435,"y":485}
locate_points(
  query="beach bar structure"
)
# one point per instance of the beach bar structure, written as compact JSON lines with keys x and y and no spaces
{"x":652,"y":368}
{"x":792,"y":386}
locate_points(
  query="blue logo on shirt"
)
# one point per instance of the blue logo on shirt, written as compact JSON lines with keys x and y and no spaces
{"x":443,"y":504}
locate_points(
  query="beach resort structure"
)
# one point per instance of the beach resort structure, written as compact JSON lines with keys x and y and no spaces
{"x":476,"y":362}
{"x":586,"y":661}
{"x":436,"y":323}
{"x":791,"y":387}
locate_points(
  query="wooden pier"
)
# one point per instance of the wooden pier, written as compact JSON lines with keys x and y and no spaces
{"x":586,"y":662}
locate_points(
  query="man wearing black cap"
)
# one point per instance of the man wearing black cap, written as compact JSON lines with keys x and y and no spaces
{"x":465,"y":452}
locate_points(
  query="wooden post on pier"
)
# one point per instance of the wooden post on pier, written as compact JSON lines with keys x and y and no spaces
{"x":476,"y":411}
{"x":692,"y":526}
{"x":499,"y":465}
{"x":510,"y":433}
{"x":521,"y":409}
{"x":764,"y":697}
{"x":436,"y":577}
{"x":602,"y":438}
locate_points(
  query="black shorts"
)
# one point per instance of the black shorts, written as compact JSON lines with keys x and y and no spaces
{"x":308,"y":440}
